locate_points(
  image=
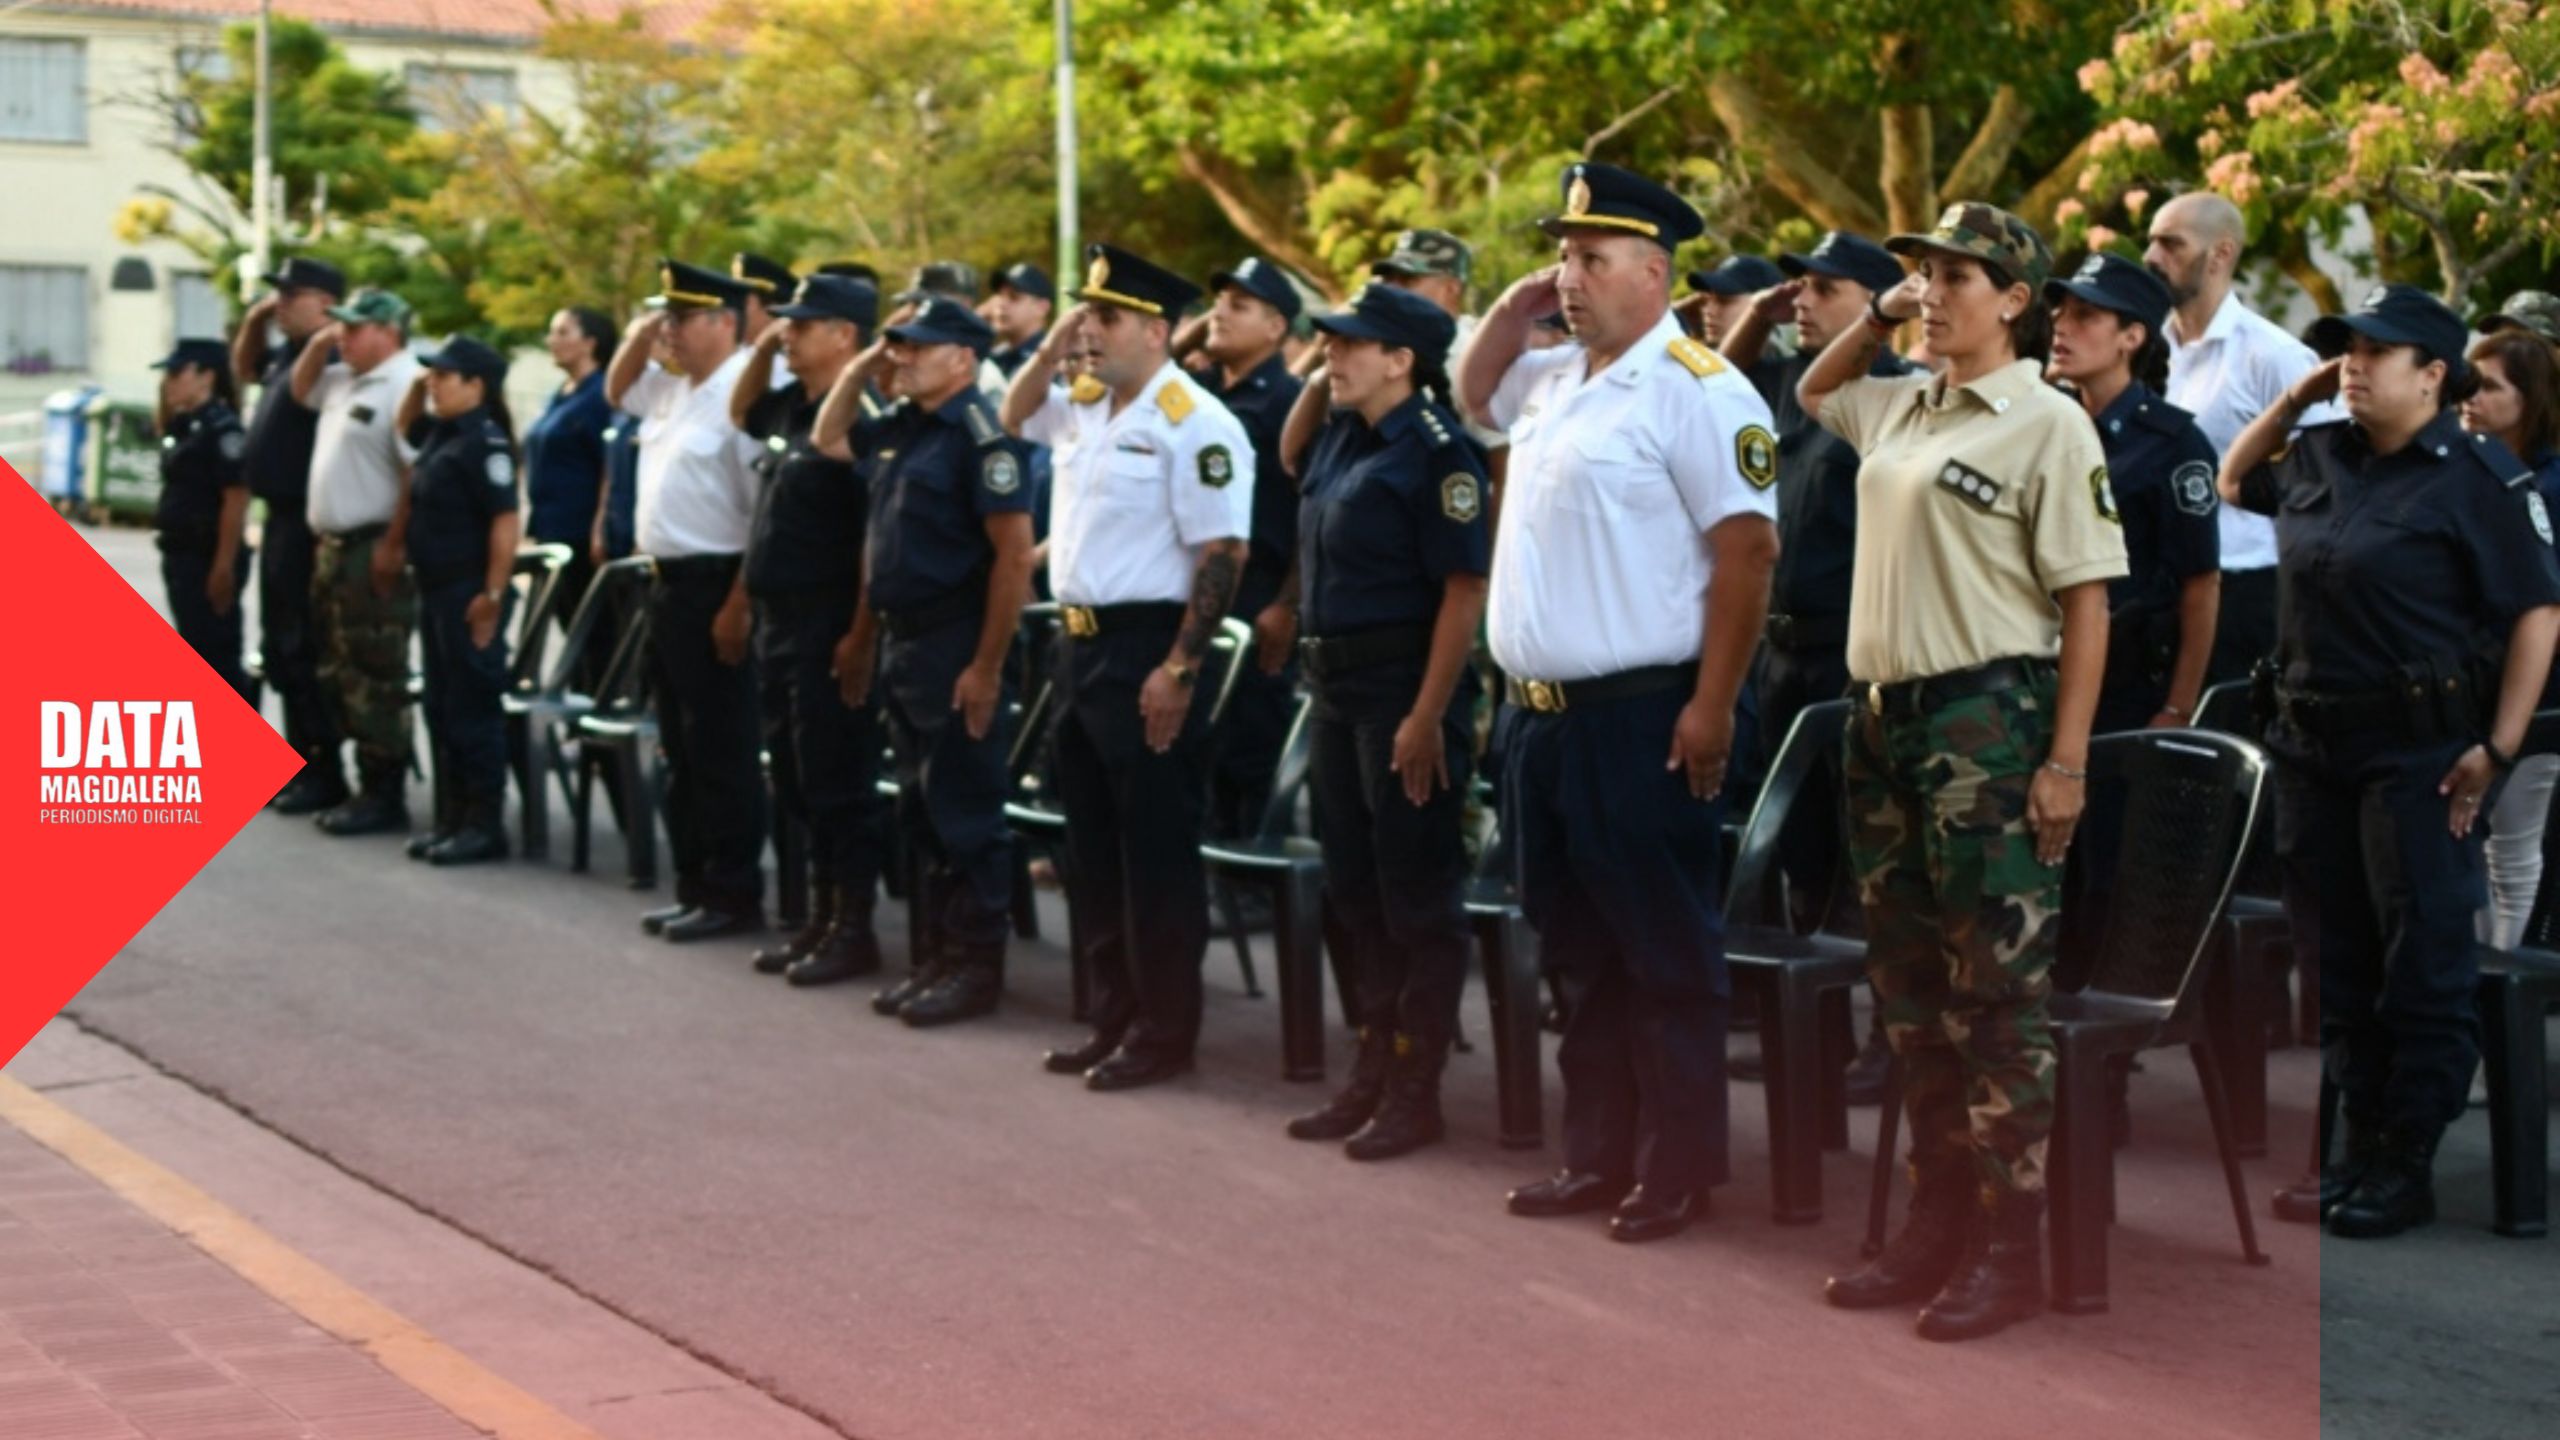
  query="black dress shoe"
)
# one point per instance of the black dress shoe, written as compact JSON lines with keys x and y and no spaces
{"x":374,"y":812}
{"x":1083,"y":1057}
{"x":1568,"y":1192}
{"x":918,"y":980}
{"x":2309,"y":1200}
{"x":706,"y":923}
{"x":1644,"y":1215}
{"x":1127,"y":1069}
{"x":424,"y":841}
{"x":848,"y":951}
{"x":314,"y":790}
{"x":967,"y":991}
{"x":2397,"y":1192}
{"x":665,"y":915}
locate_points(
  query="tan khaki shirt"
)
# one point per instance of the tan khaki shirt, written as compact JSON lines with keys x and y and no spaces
{"x":1976,"y":504}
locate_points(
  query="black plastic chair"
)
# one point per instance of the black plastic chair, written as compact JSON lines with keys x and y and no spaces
{"x":618,"y":734}
{"x":543,"y":700}
{"x":2246,"y":979}
{"x":1288,"y":868}
{"x":1797,"y":979}
{"x":2519,"y":991}
{"x":1508,"y":950}
{"x":2189,"y":801}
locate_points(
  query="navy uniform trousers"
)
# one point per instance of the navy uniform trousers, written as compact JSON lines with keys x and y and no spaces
{"x":1135,"y":877}
{"x":824,"y":758}
{"x":288,"y":636}
{"x":1618,"y":869}
{"x":2380,"y":897}
{"x":707,"y":725}
{"x":951,"y":789}
{"x":214,"y":637}
{"x":465,"y":692}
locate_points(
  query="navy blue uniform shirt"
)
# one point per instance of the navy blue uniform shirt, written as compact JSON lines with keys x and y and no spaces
{"x":1817,"y":494}
{"x":281,"y":434}
{"x":564,"y":463}
{"x":200,"y":458}
{"x":1261,"y":401}
{"x":622,"y":490}
{"x":2429,"y":553}
{"x":936,"y":475}
{"x":2161,"y":469}
{"x":464,"y":477}
{"x":1388,"y":514}
{"x":807,"y":530}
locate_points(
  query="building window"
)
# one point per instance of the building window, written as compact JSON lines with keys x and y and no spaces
{"x":44,"y":319}
{"x":44,"y":91}
{"x":455,"y":97}
{"x":205,"y":64}
{"x":197,"y":307}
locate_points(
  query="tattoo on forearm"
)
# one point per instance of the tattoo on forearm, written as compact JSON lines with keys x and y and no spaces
{"x":1212,"y":589}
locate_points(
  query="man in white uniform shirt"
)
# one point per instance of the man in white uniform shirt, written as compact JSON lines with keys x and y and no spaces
{"x":2227,"y":364}
{"x":1630,"y":582}
{"x":1148,"y":527}
{"x":695,"y":503}
{"x":354,"y":374}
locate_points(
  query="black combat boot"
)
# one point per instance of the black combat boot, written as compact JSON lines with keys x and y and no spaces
{"x":448,"y":801}
{"x":1346,"y":1112}
{"x":2309,"y":1200}
{"x":970,"y":987}
{"x":320,"y":785}
{"x":1409,"y":1117}
{"x":1917,"y":1262}
{"x":2397,"y":1191}
{"x":923,"y":969}
{"x":383,"y":805}
{"x":2000,"y":1280}
{"x":774,"y":959}
{"x":848,"y":951}
{"x":481,"y":836}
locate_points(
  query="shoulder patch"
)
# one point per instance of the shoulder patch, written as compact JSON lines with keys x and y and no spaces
{"x":2103,"y":495}
{"x":501,"y":468}
{"x":2541,"y":514}
{"x":1001,"y":473}
{"x":1755,"y":454}
{"x":1696,"y":358}
{"x":2192,"y":485}
{"x":1217,"y":467}
{"x":1958,"y":478}
{"x":1176,"y":403}
{"x":233,"y":444}
{"x":1085,"y":389}
{"x":1461,"y":498}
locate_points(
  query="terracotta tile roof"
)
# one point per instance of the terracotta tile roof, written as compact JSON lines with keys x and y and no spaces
{"x":500,"y":20}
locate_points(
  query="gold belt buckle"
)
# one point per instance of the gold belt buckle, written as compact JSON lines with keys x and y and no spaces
{"x":1875,"y":700}
{"x":1081,"y":622}
{"x":1543,"y":697}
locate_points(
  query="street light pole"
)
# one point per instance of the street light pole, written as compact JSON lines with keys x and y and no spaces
{"x":261,"y":175}
{"x":1067,"y":221}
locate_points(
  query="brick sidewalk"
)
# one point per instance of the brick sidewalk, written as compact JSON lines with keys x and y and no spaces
{"x":112,"y":1327}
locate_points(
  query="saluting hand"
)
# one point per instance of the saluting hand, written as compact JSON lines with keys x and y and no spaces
{"x":1534,"y":294}
{"x":1702,"y":744}
{"x":775,"y":332}
{"x":974,"y":696}
{"x":1903,"y":300}
{"x":1062,"y":336}
{"x":2318,"y":385}
{"x":2467,"y":783}
{"x":1421,"y":757}
{"x":1777,"y":304}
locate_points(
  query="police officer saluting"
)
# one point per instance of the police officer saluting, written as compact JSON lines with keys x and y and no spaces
{"x":1628,"y":590}
{"x":462,"y":547}
{"x":1023,"y":301}
{"x":1719,"y":298}
{"x":803,"y":569}
{"x":1391,"y":580}
{"x":947,"y":569}
{"x":1154,"y":502}
{"x":2420,"y":605}
{"x":204,"y":504}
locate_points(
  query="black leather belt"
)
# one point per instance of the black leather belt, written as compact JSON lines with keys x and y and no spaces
{"x":2420,"y":708}
{"x":1327,"y":656}
{"x":698,"y":567}
{"x":1554,"y":697}
{"x":1086,"y":621}
{"x":909,"y":621}
{"x":1808,"y":632}
{"x":1908,"y":699}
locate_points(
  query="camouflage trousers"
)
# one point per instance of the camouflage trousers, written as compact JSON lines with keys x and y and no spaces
{"x":364,"y":650}
{"x":1962,"y":923}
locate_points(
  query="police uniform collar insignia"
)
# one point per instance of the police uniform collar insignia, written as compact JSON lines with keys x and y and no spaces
{"x":1460,"y":498}
{"x":1098,"y":275}
{"x":1958,"y":478}
{"x":1086,"y":389}
{"x":1577,"y":196}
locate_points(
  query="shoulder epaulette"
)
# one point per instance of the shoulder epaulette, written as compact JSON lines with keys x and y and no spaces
{"x":1174,"y":399}
{"x":980,"y":416}
{"x":1696,"y":358}
{"x":1439,"y":425}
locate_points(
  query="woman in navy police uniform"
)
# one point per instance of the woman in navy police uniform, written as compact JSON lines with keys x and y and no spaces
{"x":204,"y":503}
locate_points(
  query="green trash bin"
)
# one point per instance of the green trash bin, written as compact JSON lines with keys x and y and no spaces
{"x":124,"y":460}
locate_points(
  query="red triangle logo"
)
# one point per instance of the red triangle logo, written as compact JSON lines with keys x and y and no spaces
{"x":125,"y":762}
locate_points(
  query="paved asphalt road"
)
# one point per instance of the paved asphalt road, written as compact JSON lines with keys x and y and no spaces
{"x":914,"y":1235}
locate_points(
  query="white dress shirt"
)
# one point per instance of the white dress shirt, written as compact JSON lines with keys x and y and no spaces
{"x":1136,"y":493}
{"x":356,"y":466}
{"x":697,"y":489}
{"x":2226,"y":378}
{"x":1602,"y":563}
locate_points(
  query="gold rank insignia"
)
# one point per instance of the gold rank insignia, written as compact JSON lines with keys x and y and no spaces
{"x":1696,"y":358}
{"x":1085,"y":389}
{"x":1755,"y":454}
{"x":1460,"y":499}
{"x":1577,"y":198}
{"x":2104,"y":495}
{"x":1174,"y":400}
{"x":1099,"y":275}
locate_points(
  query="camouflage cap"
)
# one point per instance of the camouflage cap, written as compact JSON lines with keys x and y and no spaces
{"x":2537,"y":311}
{"x":1987,"y":233}
{"x":371,"y":306}
{"x":1428,"y":252}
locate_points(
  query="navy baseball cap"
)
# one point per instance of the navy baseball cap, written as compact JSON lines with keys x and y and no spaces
{"x":1393,"y":316}
{"x":1263,"y":281}
{"x":852,"y":269}
{"x":1028,"y":280}
{"x":834,"y":297}
{"x":1114,"y":276}
{"x":208,"y":354}
{"x":1605,"y":197}
{"x":300,"y":273}
{"x":1739,"y":275}
{"x":2397,"y":315}
{"x":1845,"y":255}
{"x":465,"y":356}
{"x":941,"y":320}
{"x":2112,"y":282}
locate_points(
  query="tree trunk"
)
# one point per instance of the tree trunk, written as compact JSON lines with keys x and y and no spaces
{"x":1908,"y":171}
{"x":1978,"y":169}
{"x":1268,"y":233}
{"x":1820,"y":193}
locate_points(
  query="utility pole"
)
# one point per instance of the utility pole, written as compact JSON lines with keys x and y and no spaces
{"x":1068,"y":240}
{"x":261,"y":178}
